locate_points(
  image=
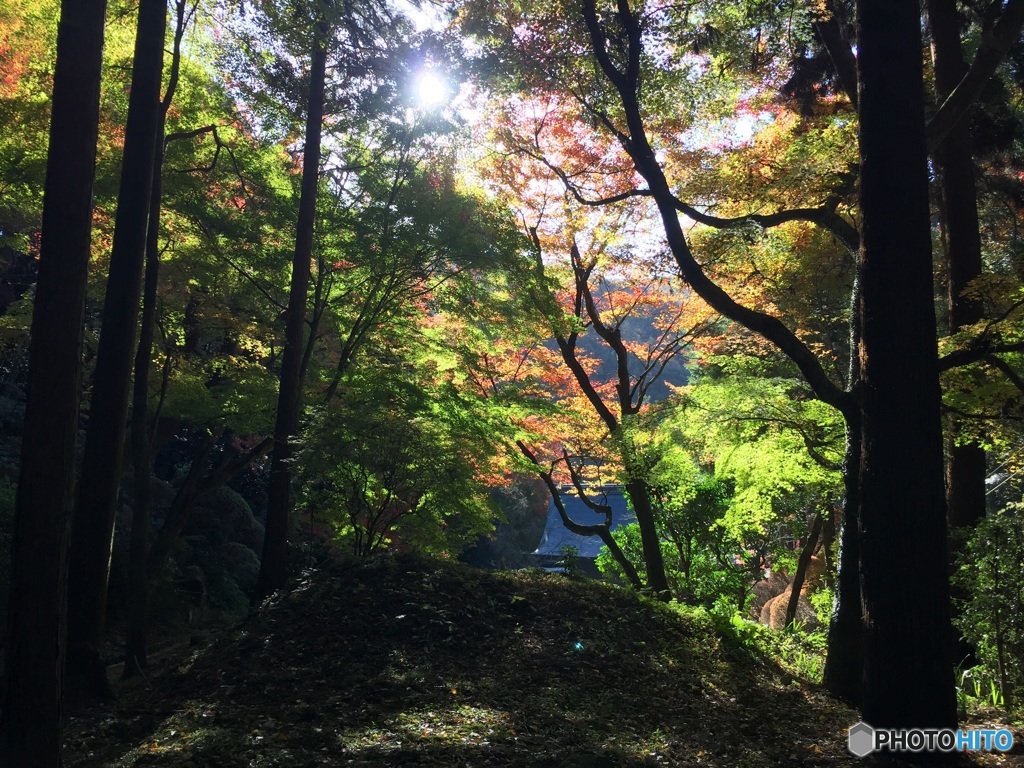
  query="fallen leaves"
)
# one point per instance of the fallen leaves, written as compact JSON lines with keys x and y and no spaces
{"x":451,"y":666}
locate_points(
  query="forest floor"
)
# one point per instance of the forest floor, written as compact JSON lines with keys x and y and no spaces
{"x":407,"y":661}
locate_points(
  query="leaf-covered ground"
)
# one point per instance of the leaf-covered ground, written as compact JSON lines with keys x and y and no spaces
{"x":406,"y":661}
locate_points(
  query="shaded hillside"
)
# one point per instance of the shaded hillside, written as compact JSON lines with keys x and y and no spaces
{"x":407,"y":661}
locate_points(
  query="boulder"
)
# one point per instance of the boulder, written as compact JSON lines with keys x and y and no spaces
{"x":241,"y":562}
{"x":224,"y":516}
{"x":773,"y":610}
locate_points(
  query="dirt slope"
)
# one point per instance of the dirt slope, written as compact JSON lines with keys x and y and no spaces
{"x":407,"y":661}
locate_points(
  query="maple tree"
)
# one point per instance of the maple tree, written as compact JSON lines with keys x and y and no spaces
{"x":613,"y":332}
{"x":608,"y":63}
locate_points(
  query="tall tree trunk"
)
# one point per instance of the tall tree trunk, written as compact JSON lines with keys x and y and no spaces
{"x":141,"y":435}
{"x":30,"y":729}
{"x":961,"y":242}
{"x":908,"y":677}
{"x":138,"y":581}
{"x":844,"y":664}
{"x":92,"y":533}
{"x":273,"y":567}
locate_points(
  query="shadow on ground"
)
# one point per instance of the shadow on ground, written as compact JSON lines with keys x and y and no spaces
{"x":407,"y":661}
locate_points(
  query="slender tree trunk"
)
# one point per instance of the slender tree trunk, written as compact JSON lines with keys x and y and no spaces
{"x":273,"y":567}
{"x":92,"y":532}
{"x":908,"y":678}
{"x":141,"y":434}
{"x":30,"y":728}
{"x":828,"y":537}
{"x":138,"y":580}
{"x":603,"y":532}
{"x":640,"y":498}
{"x":801,"y":569}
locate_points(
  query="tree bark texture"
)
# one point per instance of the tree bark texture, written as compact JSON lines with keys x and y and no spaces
{"x":95,"y":510}
{"x":273,"y":567}
{"x":844,"y":664}
{"x":961,"y":241}
{"x":138,"y":581}
{"x":908,"y":677}
{"x":141,"y":433}
{"x":30,"y":729}
{"x":640,"y":499}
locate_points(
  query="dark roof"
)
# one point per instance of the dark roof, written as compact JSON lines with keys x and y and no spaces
{"x":556,"y":536}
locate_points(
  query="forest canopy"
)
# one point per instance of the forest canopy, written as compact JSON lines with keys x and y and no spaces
{"x":291,"y":279}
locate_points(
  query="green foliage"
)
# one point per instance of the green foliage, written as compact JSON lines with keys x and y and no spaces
{"x":979,"y":686}
{"x":991,"y":571}
{"x":569,"y":562}
{"x":822,"y":601}
{"x":703,"y":556}
{"x":402,"y":460}
{"x":781,"y":449}
{"x":800,"y":652}
{"x":27,"y":40}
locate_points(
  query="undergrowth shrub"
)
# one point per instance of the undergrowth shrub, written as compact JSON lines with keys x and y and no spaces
{"x":991,"y":573}
{"x":795,"y":649}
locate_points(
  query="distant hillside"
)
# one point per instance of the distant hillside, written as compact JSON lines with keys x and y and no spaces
{"x":406,"y":661}
{"x":639,"y":329}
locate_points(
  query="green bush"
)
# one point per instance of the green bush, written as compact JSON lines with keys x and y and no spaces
{"x":991,"y":572}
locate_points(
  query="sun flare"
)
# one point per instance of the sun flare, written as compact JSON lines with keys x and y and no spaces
{"x":431,"y":90}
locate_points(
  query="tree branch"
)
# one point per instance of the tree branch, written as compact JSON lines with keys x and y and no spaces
{"x":973,"y":354}
{"x":1002,"y":365}
{"x":643,"y":156}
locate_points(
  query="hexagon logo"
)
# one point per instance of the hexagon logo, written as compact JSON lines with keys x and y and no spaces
{"x":861,"y":739}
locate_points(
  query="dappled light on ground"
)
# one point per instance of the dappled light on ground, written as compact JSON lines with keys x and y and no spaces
{"x":408,"y":661}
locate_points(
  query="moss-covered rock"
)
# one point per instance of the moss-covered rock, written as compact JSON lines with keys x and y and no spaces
{"x":241,"y":562}
{"x":224,"y":516}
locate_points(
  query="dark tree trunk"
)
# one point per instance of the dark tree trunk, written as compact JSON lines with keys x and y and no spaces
{"x":908,"y":678}
{"x":961,"y":241}
{"x":636,"y":487}
{"x":828,"y":537}
{"x":603,"y":532}
{"x":141,"y":434}
{"x":966,"y":485}
{"x":30,"y":729}
{"x":640,"y":498}
{"x":844,"y":664}
{"x":138,"y":582}
{"x":273,"y":567}
{"x":801,"y":569}
{"x":108,"y":413}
